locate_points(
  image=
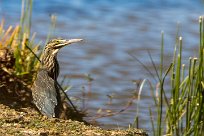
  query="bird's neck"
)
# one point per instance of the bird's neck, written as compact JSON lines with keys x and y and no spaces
{"x":51,"y":65}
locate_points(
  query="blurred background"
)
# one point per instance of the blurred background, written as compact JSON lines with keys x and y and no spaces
{"x":113,"y":31}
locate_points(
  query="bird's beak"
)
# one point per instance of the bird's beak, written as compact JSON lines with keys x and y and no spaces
{"x":73,"y":41}
{"x":64,"y":42}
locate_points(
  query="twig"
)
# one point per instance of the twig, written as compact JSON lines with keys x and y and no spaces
{"x":115,"y":113}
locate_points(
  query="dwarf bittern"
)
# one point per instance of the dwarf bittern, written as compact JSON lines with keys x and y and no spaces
{"x":47,"y":95}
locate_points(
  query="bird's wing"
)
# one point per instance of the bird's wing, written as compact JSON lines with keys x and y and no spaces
{"x":44,"y":93}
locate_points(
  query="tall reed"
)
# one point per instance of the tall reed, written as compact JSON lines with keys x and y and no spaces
{"x":185,"y":107}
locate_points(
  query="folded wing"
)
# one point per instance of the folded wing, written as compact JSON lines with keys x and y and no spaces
{"x":44,"y":93}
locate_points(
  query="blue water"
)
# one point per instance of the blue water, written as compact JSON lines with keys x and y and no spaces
{"x":112,"y":29}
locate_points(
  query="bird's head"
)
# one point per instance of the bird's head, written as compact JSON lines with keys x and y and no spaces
{"x":54,"y":45}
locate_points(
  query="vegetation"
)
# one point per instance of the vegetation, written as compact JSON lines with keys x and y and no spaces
{"x":19,"y":42}
{"x":184,"y":109}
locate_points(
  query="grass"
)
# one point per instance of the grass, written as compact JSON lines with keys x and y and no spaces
{"x":184,"y":114}
{"x":18,"y":40}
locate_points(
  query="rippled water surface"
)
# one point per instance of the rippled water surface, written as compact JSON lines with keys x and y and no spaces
{"x":113,"y":29}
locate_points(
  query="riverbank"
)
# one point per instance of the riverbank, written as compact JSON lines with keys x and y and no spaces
{"x":27,"y":121}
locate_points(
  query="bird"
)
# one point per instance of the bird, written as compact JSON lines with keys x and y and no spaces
{"x":46,"y":92}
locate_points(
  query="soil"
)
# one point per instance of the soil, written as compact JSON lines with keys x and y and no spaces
{"x":26,"y":121}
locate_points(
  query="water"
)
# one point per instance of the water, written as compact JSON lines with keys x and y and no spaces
{"x":113,"y":29}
